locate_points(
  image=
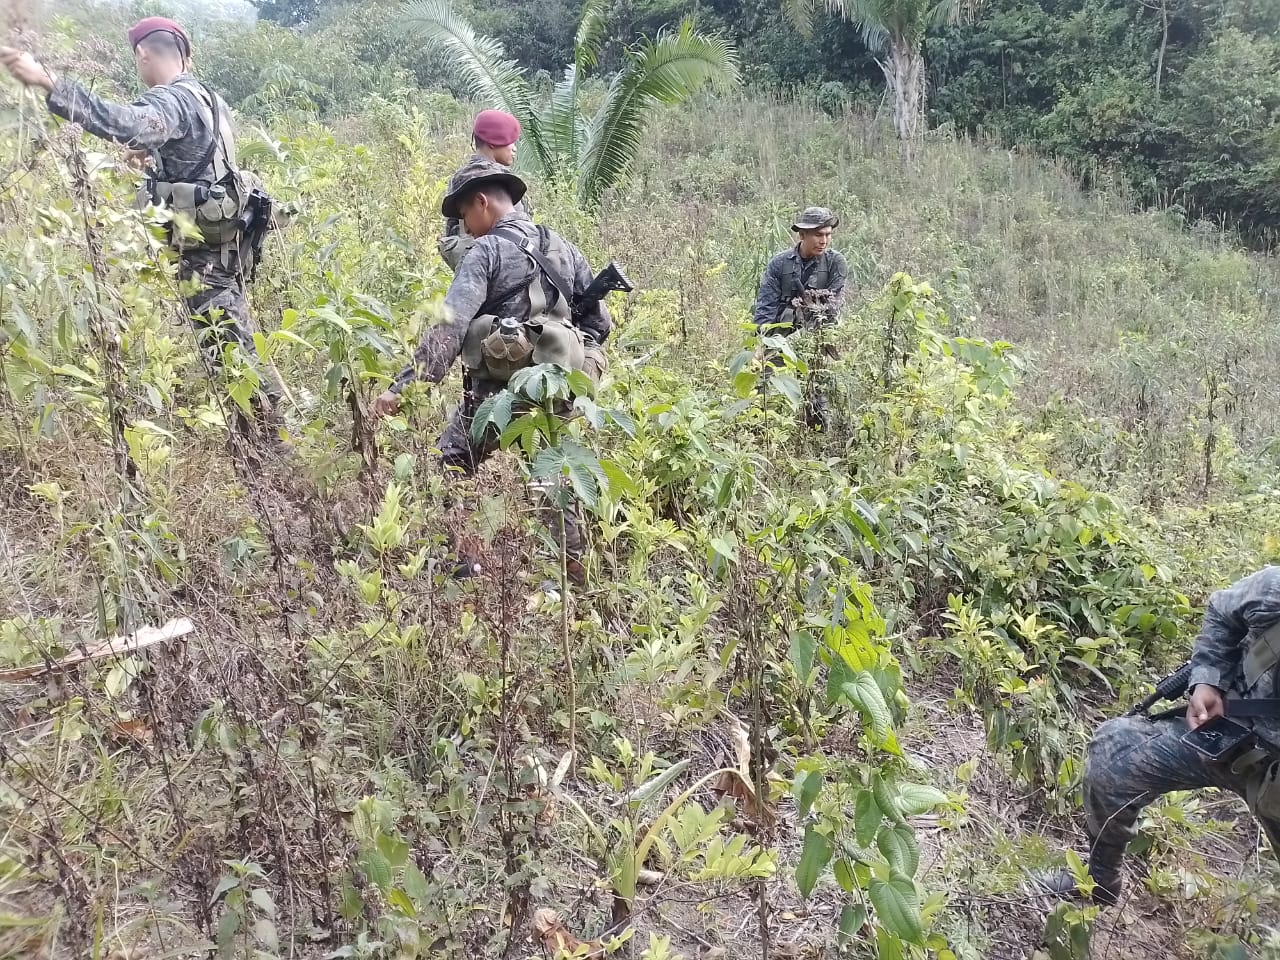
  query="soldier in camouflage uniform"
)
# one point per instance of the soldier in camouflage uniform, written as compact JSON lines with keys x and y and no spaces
{"x":1132,"y":760}
{"x":170,"y":131}
{"x":497,"y":277}
{"x":803,"y":289}
{"x":493,"y":135}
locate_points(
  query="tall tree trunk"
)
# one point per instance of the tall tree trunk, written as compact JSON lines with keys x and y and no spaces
{"x":904,"y":79}
{"x":1164,"y":44}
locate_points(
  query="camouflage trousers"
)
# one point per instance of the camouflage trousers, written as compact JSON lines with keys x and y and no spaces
{"x":220,"y":313}
{"x":1132,"y":761}
{"x":459,"y":450}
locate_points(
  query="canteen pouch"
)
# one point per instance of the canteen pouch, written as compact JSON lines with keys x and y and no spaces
{"x":217,"y":218}
{"x":504,"y":355}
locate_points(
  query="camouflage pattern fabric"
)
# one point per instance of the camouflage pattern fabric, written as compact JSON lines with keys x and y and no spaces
{"x":1132,"y":760}
{"x":220,"y":313}
{"x":166,"y":122}
{"x":496,"y":275}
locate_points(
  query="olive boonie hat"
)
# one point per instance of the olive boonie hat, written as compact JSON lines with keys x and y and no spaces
{"x":474,"y":175}
{"x":815,"y":218}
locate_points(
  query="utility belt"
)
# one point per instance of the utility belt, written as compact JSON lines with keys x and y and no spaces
{"x":233,"y":217}
{"x":216,"y":209}
{"x":495,"y":348}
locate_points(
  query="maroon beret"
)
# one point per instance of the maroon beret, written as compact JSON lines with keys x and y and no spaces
{"x":496,"y":128}
{"x":149,"y":25}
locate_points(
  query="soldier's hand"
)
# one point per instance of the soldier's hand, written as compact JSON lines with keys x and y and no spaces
{"x":138,"y":159}
{"x":26,"y":68}
{"x":386,"y":404}
{"x":1205,"y":704}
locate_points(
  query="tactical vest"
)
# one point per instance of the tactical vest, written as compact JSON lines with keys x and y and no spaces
{"x":210,"y":190}
{"x":792,"y":285}
{"x":496,"y":347}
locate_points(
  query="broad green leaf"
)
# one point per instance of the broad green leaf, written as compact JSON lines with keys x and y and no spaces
{"x":864,"y":693}
{"x":898,"y":908}
{"x":891,"y":848}
{"x":807,"y":786}
{"x":801,"y":652}
{"x":377,"y":869}
{"x":907,"y":837}
{"x":917,"y":798}
{"x":655,"y":785}
{"x":843,"y":871}
{"x":886,"y":798}
{"x":866,"y":818}
{"x":813,"y":857}
{"x":853,"y":917}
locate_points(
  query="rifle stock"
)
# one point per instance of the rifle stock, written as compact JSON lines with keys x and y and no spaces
{"x":609,"y":279}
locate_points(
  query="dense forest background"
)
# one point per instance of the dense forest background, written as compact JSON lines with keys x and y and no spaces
{"x":1180,"y":99}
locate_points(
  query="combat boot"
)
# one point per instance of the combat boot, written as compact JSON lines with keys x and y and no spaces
{"x":1104,"y":869}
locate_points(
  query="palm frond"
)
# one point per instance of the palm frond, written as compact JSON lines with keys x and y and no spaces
{"x":800,"y":13}
{"x":480,"y":62}
{"x":904,"y":20}
{"x":590,"y":35}
{"x":667,"y":70}
{"x":563,"y":127}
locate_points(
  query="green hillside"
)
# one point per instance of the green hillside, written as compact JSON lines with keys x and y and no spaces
{"x":1054,"y":433}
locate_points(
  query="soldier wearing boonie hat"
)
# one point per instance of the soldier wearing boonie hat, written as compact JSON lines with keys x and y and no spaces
{"x":521,"y":278}
{"x":182,"y":133}
{"x":810,"y":265}
{"x":493,"y":135}
{"x":803,"y":287}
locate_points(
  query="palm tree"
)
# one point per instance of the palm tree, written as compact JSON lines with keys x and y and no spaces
{"x":897,"y":29}
{"x":562,"y":144}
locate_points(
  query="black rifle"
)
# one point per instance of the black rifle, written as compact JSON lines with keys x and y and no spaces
{"x":609,"y":279}
{"x":254,"y":223}
{"x":1171,"y":687}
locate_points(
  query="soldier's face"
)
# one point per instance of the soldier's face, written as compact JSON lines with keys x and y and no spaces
{"x":479,"y":214}
{"x":505,"y":155}
{"x":814,"y":242}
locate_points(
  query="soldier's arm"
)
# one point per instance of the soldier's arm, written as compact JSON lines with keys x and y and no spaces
{"x":442,"y":343}
{"x":595,"y":321}
{"x":769,"y":299}
{"x":148,"y":123}
{"x":1248,"y":604}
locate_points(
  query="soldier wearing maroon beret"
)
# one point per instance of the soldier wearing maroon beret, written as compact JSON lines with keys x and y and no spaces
{"x":182,"y":133}
{"x":493,"y":136}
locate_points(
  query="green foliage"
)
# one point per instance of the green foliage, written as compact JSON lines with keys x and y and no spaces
{"x":594,"y":152}
{"x":351,"y":745}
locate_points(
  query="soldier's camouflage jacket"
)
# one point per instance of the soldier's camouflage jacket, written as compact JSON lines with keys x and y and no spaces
{"x":167,"y":122}
{"x":1238,"y":621}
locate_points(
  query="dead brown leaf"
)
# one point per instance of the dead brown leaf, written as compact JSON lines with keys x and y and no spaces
{"x":557,"y":939}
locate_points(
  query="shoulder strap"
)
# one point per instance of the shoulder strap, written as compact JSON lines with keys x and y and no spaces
{"x":539,"y":258}
{"x":198,"y":167}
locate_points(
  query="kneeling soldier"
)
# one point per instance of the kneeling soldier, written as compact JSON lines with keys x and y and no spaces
{"x":519,"y":279}
{"x":1228,"y":738}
